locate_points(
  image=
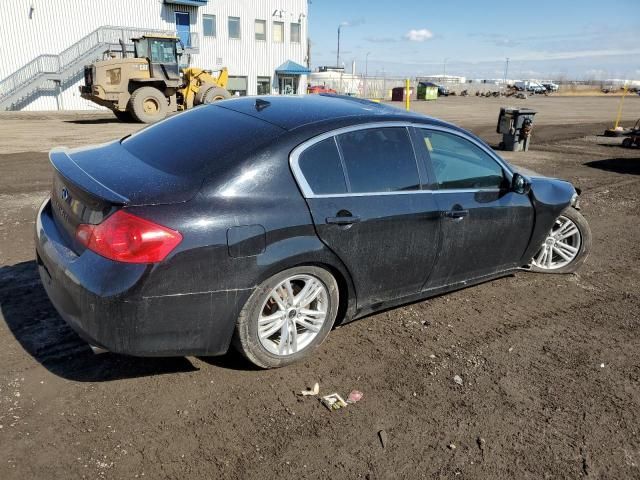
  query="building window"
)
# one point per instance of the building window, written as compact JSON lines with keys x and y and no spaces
{"x":261,"y":29}
{"x":278,"y":32}
{"x":264,"y":85}
{"x":237,"y":86}
{"x":234,"y":27}
{"x":209,"y":25}
{"x":295,"y":33}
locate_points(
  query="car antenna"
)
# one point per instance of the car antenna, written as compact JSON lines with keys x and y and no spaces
{"x":262,"y":104}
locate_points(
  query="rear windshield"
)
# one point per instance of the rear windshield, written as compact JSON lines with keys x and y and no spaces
{"x":201,"y":140}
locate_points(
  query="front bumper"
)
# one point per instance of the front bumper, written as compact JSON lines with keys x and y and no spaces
{"x":105,"y":302}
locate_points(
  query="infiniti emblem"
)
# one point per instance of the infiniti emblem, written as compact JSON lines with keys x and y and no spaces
{"x":65,"y":194}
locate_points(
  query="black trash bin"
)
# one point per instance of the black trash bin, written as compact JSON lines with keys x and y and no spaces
{"x":397,"y":94}
{"x":516,"y":126}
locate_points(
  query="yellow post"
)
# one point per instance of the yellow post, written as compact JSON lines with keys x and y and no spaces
{"x":619,"y":116}
{"x":407,"y":94}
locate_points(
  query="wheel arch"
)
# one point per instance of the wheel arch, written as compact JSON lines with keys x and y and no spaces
{"x":328,"y":261}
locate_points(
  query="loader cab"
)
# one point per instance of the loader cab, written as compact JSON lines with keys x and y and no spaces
{"x":162,"y":53}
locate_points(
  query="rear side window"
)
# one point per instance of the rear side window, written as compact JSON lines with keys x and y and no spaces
{"x":379,"y":160}
{"x":460,"y":164}
{"x":320,"y":165}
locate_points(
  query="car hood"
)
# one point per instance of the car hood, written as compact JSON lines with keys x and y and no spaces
{"x":527,"y":172}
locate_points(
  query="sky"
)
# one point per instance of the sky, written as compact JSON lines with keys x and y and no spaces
{"x":562,"y":39}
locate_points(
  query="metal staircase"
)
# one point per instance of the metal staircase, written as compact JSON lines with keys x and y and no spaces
{"x":52,"y":74}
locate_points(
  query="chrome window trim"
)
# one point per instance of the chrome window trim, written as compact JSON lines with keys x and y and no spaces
{"x":307,"y":192}
{"x":406,"y":192}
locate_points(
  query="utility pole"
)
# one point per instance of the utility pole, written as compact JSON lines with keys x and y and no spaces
{"x":444,"y":70}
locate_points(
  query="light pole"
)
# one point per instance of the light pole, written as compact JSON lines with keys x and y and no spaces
{"x":506,"y":71}
{"x":366,"y":72}
{"x":338,"y":53}
{"x":444,"y":70}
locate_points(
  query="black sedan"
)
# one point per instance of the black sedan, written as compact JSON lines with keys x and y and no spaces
{"x":264,"y":222}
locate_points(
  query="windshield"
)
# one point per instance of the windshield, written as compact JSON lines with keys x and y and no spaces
{"x":163,"y":51}
{"x":158,"y":50}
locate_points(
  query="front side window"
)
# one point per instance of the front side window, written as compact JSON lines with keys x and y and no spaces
{"x":295,"y":33}
{"x":261,"y":30}
{"x":234,"y":27}
{"x":460,"y":164}
{"x":278,"y":32}
{"x":321,"y":167}
{"x":379,"y":160}
{"x":209,"y":25}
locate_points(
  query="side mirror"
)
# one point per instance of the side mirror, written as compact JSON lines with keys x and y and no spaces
{"x":520,"y":184}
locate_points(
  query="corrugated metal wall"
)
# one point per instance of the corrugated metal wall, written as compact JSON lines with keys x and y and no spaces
{"x":29,"y":28}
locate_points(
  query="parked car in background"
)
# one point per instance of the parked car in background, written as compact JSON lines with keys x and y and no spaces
{"x":529,"y":86}
{"x":317,"y":89}
{"x":550,"y":87}
{"x":293,"y":215}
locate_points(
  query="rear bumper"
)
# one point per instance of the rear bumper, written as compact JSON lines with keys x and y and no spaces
{"x":106,"y":304}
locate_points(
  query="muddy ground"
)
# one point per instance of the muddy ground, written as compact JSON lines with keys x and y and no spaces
{"x":550,"y":364}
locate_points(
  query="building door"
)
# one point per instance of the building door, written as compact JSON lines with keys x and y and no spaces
{"x":288,"y":85}
{"x":183,"y":28}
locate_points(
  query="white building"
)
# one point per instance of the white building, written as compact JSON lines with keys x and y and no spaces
{"x":443,"y":79}
{"x":44,"y":44}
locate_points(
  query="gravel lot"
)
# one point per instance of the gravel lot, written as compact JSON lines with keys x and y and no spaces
{"x":550,"y":365}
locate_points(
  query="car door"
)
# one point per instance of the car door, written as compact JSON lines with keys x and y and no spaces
{"x":363,"y":188}
{"x":486,"y":226}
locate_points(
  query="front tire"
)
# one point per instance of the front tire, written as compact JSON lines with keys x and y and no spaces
{"x":210,"y":93}
{"x":567,"y":245}
{"x":287,"y":317}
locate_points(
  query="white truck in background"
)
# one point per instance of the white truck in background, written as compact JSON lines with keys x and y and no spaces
{"x":529,"y":86}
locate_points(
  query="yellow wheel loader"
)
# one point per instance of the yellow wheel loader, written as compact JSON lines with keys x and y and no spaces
{"x":150,"y":85}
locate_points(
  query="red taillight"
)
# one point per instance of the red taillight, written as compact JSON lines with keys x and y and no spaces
{"x":126,"y":238}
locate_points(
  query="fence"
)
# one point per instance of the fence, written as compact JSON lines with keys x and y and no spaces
{"x":379,"y":87}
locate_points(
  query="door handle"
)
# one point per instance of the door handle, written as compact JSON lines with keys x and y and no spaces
{"x":456,"y":214}
{"x":343,"y":220}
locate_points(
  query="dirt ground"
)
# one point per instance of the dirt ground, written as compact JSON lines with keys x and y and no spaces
{"x":550,"y":364}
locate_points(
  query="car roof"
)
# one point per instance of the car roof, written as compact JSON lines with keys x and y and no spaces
{"x":291,"y":112}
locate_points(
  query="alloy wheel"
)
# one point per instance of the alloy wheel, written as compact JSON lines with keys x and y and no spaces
{"x":292,"y":314}
{"x":561,"y":247}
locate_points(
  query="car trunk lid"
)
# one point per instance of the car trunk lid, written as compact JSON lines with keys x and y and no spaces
{"x":89,"y":184}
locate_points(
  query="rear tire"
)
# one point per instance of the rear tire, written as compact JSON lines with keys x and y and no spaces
{"x":560,"y":245}
{"x":287,"y":317}
{"x":148,"y":105}
{"x":210,"y":93}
